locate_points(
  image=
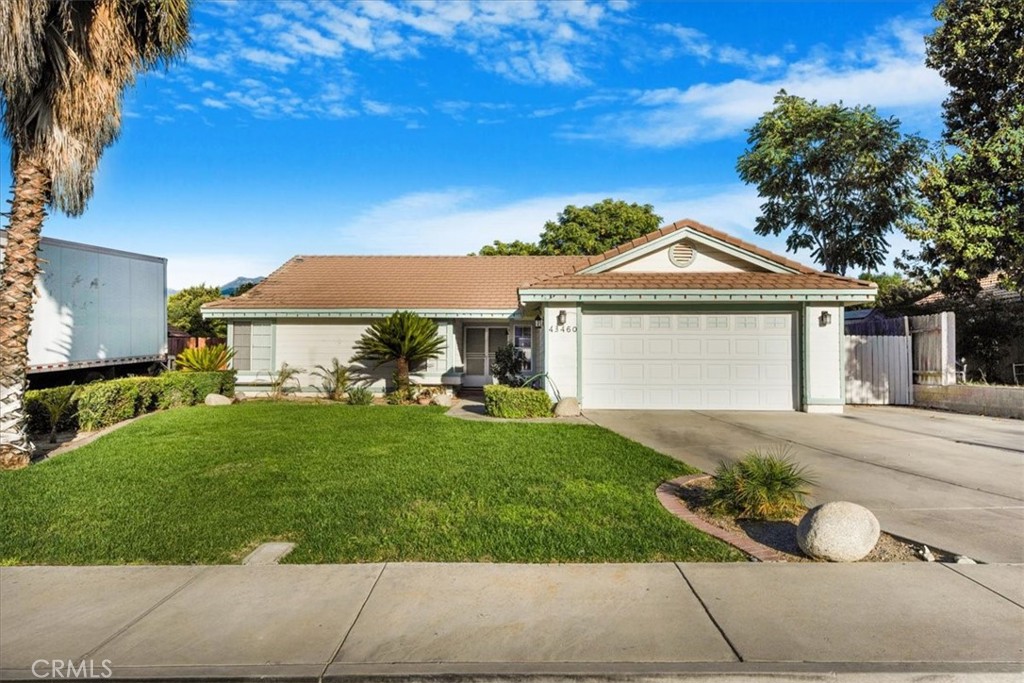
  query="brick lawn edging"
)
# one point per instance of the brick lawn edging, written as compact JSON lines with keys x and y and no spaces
{"x":668,"y":496}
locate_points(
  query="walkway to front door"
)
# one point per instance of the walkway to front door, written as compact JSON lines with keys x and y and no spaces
{"x":481,"y":343}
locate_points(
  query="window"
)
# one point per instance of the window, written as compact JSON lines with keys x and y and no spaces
{"x":523,"y":340}
{"x":660,"y":322}
{"x":746,"y":322}
{"x":718,"y":322}
{"x":775,"y":322}
{"x":253,"y":345}
{"x":602,"y":322}
{"x":688,"y":322}
{"x":632,"y":322}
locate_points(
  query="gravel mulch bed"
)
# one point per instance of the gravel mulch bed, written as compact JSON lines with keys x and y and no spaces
{"x":781,"y":535}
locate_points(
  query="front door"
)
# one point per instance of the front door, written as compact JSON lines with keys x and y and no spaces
{"x":481,"y":345}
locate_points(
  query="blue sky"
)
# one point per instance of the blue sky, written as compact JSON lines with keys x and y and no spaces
{"x":426,"y":128}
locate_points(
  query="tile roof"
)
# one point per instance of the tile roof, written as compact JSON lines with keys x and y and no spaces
{"x":747,"y":280}
{"x":493,"y":282}
{"x":701,"y":228}
{"x":988,"y":286}
{"x":392,"y":282}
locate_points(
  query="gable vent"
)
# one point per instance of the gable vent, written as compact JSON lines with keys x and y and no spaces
{"x":681,"y":254}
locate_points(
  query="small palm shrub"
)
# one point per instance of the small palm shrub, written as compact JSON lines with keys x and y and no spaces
{"x":279,"y":382}
{"x":360,"y":396}
{"x":334,"y":380}
{"x":760,"y":486}
{"x":404,"y":338}
{"x":57,"y":402}
{"x":206,"y":359}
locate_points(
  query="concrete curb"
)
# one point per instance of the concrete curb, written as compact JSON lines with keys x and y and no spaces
{"x":668,"y":496}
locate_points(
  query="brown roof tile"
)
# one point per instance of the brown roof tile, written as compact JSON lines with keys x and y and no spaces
{"x":418,"y":282}
{"x":761,"y":280}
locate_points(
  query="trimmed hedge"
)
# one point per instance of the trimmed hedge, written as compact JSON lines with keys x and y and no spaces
{"x":102,"y":404}
{"x":516,"y":402}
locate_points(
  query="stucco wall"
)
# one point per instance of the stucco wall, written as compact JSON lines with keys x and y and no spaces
{"x":705,"y":260}
{"x":823,"y":360}
{"x":308,"y":343}
{"x":560,"y":350}
{"x":974,"y":399}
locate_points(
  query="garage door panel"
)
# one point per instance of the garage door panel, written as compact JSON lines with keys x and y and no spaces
{"x":688,"y":361}
{"x":659,"y":346}
{"x":688,"y":347}
{"x":687,"y":373}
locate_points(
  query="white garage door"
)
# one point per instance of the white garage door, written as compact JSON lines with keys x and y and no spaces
{"x":714,"y":361}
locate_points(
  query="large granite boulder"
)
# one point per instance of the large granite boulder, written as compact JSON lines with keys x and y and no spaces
{"x":838,"y":532}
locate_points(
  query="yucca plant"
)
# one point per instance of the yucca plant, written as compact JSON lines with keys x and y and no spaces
{"x":760,"y":486}
{"x":360,"y":396}
{"x":280,"y":379}
{"x":57,"y":402}
{"x":334,"y":380}
{"x":205,"y":359}
{"x":404,"y":337}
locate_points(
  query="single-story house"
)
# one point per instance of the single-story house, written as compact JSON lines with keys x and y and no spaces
{"x":686,"y":317}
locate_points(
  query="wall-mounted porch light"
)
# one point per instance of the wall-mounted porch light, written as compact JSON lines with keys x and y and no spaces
{"x":538,"y":323}
{"x":824,"y":319}
{"x":561,"y":318}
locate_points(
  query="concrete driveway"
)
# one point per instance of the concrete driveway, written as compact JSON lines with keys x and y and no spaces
{"x":954,"y":482}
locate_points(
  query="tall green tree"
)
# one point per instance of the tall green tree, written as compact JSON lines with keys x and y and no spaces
{"x":64,"y":66}
{"x":836,"y":179}
{"x":184,"y":311}
{"x":584,"y":230}
{"x":405,"y":338}
{"x":970,"y":218}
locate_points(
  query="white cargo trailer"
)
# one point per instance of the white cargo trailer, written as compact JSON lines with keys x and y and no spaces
{"x":96,"y":308}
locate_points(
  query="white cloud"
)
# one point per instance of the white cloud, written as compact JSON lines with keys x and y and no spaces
{"x":891,"y":75}
{"x":214,"y":104}
{"x":461,"y":220}
{"x":691,"y":42}
{"x":271,"y":60}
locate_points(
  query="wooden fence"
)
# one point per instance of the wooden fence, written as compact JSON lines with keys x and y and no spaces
{"x":934,"y":348}
{"x":878,"y":370}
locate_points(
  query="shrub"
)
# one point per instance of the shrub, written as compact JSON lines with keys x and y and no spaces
{"x":176,"y":389}
{"x":516,"y":402}
{"x":760,"y":486}
{"x":360,"y":396}
{"x":333,"y":380}
{"x":40,"y":405}
{"x":206,"y":359}
{"x":508,"y":363}
{"x":101,"y":404}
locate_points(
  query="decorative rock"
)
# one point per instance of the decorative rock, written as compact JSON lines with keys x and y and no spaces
{"x":838,"y":532}
{"x":963,"y":559}
{"x":442,"y":400}
{"x":567,"y":407}
{"x":217,"y":400}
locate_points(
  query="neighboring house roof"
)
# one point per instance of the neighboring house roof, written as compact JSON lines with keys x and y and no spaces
{"x":588,"y":261}
{"x":416,"y":282}
{"x":989,"y":287}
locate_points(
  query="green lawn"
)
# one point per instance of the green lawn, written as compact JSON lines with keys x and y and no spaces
{"x":347,"y":484}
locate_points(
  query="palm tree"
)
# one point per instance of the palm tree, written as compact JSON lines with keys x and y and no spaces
{"x":403,"y":337}
{"x":64,"y":66}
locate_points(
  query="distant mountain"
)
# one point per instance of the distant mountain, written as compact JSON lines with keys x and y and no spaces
{"x":229,"y":288}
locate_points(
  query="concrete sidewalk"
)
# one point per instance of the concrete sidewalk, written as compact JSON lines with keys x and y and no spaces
{"x":721,"y":622}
